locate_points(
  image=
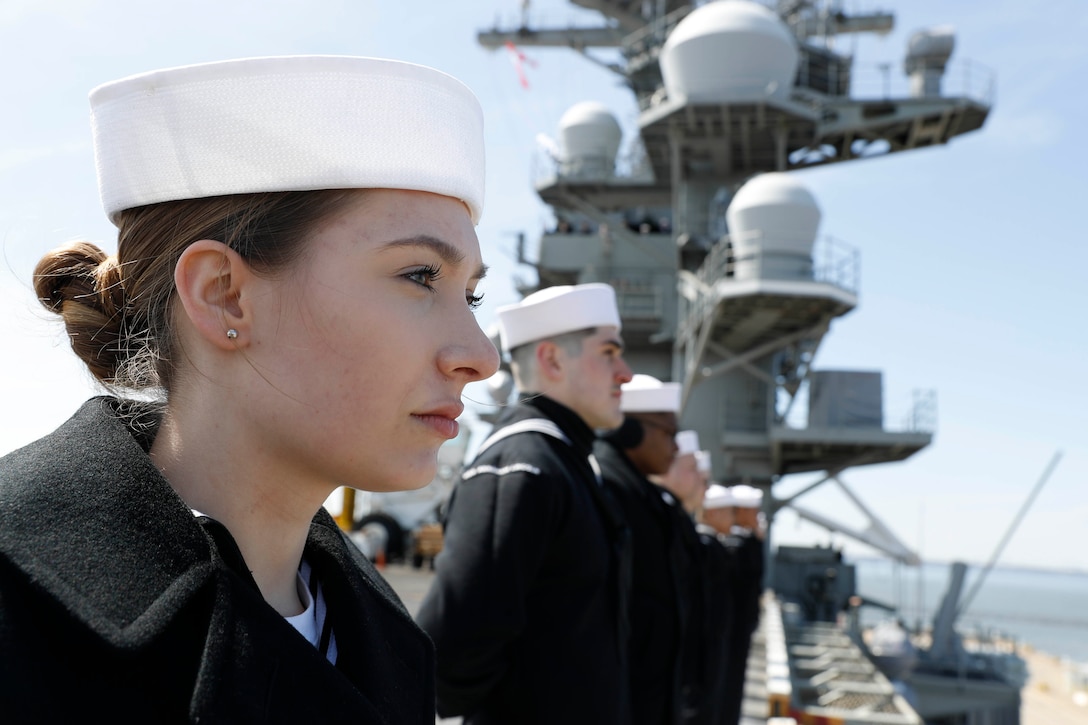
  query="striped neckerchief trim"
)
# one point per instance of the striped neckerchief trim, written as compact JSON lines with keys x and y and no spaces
{"x":538,"y":425}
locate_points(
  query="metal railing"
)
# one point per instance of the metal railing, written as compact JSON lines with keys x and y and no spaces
{"x":872,"y":82}
{"x":921,"y":416}
{"x":546,"y":168}
{"x":833,"y":262}
{"x":638,"y":299}
{"x":962,"y":79}
{"x":648,"y":39}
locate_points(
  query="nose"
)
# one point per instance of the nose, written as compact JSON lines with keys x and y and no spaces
{"x":623,"y":371}
{"x":469,"y":354}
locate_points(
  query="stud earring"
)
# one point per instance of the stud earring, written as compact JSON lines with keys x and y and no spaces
{"x":232,"y":334}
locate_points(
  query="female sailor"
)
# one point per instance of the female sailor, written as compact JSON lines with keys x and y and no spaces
{"x":289,"y":310}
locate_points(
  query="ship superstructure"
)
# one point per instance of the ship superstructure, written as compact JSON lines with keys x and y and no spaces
{"x":723,"y":284}
{"x":722,"y":278}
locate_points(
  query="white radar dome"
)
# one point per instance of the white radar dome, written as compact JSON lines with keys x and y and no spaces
{"x":729,"y":51}
{"x":773,"y":220}
{"x":937,"y":43}
{"x":927,"y":56}
{"x":589,"y":139}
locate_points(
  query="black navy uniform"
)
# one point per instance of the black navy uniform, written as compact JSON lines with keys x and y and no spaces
{"x":659,"y":597}
{"x":732,"y":576}
{"x":749,"y":585}
{"x":115,"y":600}
{"x":719,"y":573}
{"x":527,"y":608}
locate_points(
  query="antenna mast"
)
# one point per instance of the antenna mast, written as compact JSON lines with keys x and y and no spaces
{"x":1008,"y":534}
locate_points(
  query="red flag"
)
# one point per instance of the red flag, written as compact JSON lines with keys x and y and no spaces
{"x":518,"y":59}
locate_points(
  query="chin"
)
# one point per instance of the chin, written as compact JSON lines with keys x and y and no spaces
{"x":415,"y":482}
{"x":607,"y":421}
{"x":407,"y":477}
{"x":393,"y":486}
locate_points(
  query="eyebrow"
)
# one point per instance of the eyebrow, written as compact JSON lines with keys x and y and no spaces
{"x":446,"y":251}
{"x":618,"y":344}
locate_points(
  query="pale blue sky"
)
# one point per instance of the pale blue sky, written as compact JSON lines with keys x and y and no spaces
{"x":973,"y":255}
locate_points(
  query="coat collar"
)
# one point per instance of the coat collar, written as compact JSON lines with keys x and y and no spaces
{"x":580,"y":434}
{"x":620,"y":471}
{"x":615,"y":461}
{"x":86,"y":514}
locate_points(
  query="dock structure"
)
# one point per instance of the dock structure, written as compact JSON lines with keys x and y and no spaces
{"x":806,"y":673}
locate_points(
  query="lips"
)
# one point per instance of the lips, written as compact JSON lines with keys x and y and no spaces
{"x":443,"y":419}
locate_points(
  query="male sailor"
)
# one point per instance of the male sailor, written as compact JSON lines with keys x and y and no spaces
{"x":732,"y":568}
{"x":644,"y":446}
{"x":685,"y":485}
{"x":527,"y":609}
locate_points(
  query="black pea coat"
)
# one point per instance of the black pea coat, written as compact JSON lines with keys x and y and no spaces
{"x":749,"y":586}
{"x":718,"y":572}
{"x":660,"y":597}
{"x":526,"y":609}
{"x":733,"y":567}
{"x":692,"y":583}
{"x":116,"y":604}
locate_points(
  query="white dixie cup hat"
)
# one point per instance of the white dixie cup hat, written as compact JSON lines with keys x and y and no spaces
{"x":748,"y":497}
{"x":702,"y":461}
{"x":687,"y":442}
{"x":557,"y":310}
{"x":718,"y":496}
{"x":647,"y":394}
{"x":287,"y":123}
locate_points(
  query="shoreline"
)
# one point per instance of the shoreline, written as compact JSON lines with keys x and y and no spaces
{"x":1019,"y":568}
{"x":1053,"y":695}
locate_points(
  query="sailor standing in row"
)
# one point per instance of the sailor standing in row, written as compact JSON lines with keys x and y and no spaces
{"x":527,"y":609}
{"x":719,"y":573}
{"x":687,"y":484}
{"x":750,"y":529}
{"x":644,"y":446}
{"x":732,"y":574}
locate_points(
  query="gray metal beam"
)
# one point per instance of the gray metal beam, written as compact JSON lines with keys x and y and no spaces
{"x":838,"y":24}
{"x":755,"y":353}
{"x":615,"y":10}
{"x":745,"y":365}
{"x":576,"y":38}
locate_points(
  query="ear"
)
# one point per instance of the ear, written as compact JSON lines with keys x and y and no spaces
{"x":210,"y":278}
{"x":549,"y":361}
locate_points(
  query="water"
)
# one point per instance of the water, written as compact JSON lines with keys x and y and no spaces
{"x":1045,"y":609}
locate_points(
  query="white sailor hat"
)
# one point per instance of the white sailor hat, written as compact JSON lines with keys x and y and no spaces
{"x":747,"y":497}
{"x":647,"y":394}
{"x":687,"y":441}
{"x":718,"y":496}
{"x":289,"y":123}
{"x":557,"y":310}
{"x":702,"y":461}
